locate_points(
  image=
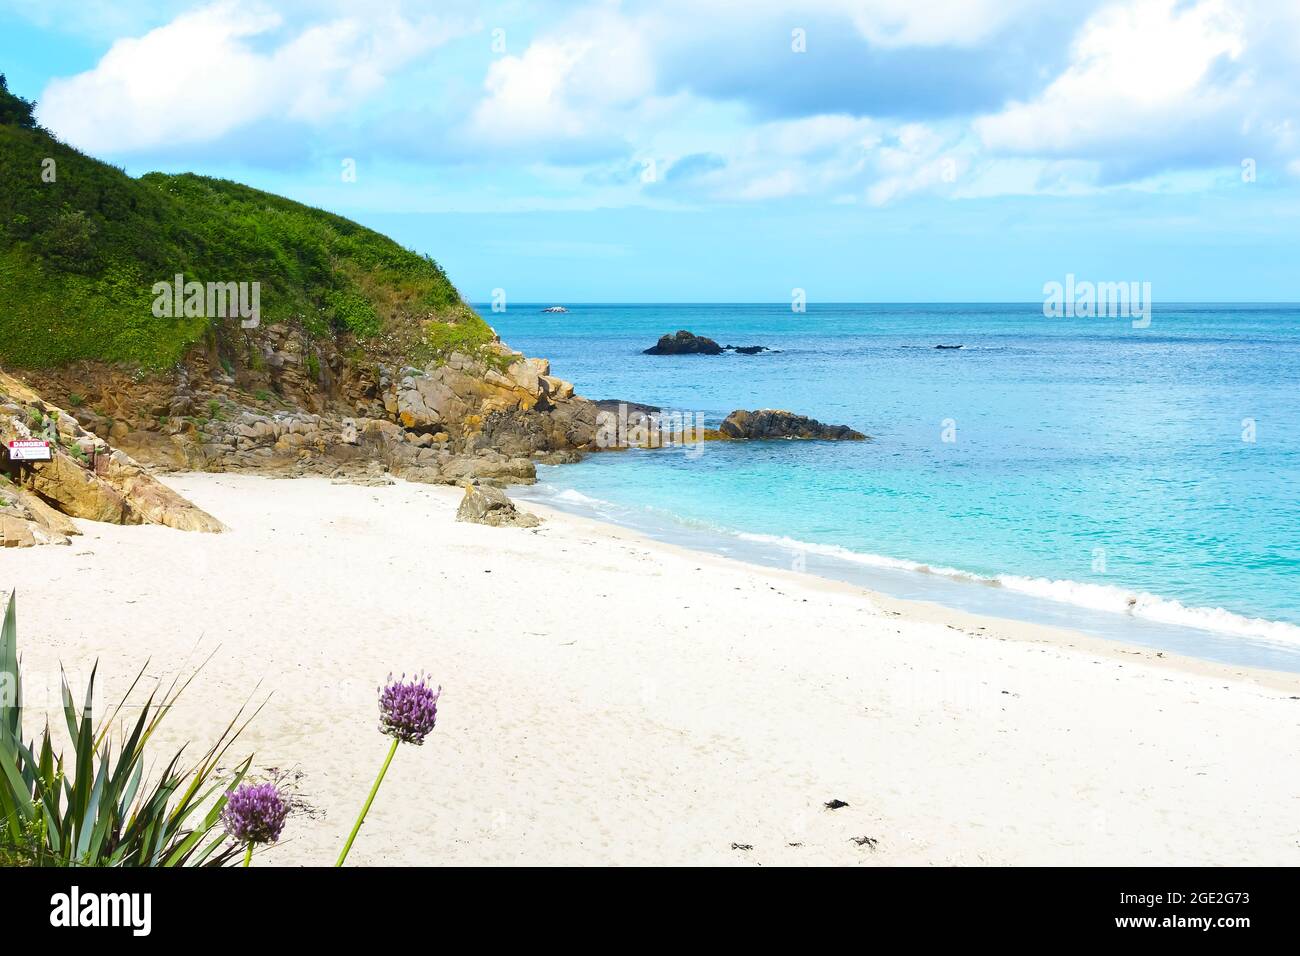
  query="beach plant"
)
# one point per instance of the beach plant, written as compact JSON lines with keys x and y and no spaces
{"x":97,"y":808}
{"x":408,"y":711}
{"x":254,"y":814}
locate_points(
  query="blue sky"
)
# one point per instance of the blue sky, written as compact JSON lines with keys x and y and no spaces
{"x":876,"y":150}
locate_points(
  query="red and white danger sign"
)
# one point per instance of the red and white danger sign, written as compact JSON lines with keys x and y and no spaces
{"x":29,"y":449}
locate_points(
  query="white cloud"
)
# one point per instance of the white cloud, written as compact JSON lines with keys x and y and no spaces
{"x":777,"y":160}
{"x":886,"y":23}
{"x":919,"y":158}
{"x":592,"y":79}
{"x":565,"y":85}
{"x":817,"y":135}
{"x":1141,"y":88}
{"x":215,"y":69}
{"x":1139,"y":73}
{"x":895,"y":23}
{"x":1148,"y":87}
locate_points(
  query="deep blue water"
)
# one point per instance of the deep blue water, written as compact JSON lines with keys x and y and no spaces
{"x":1101,"y":475}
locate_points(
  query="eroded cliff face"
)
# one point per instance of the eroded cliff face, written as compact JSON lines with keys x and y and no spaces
{"x":86,"y":477}
{"x":274,"y":400}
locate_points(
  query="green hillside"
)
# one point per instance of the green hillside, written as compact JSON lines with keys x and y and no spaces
{"x":79,"y":256}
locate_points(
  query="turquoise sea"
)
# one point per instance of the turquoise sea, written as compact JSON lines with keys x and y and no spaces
{"x":1142,"y":484}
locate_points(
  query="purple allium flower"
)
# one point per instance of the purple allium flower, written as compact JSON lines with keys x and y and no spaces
{"x":408,"y":709}
{"x":254,"y":813}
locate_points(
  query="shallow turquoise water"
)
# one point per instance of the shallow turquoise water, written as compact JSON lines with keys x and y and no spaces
{"x":1097,"y":466}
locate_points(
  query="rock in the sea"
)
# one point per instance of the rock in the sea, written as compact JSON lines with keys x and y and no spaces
{"x":486,"y":505}
{"x":684,"y":343}
{"x":688,"y":343}
{"x":766,"y":423}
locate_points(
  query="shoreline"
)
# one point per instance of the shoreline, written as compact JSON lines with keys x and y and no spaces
{"x":608,"y":699}
{"x":1004,"y":597}
{"x":955,"y":618}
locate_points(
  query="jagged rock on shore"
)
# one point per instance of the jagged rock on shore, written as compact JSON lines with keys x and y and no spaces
{"x":490,"y":506}
{"x":770,"y":423}
{"x":485,"y":418}
{"x":25,"y":520}
{"x":85,"y":478}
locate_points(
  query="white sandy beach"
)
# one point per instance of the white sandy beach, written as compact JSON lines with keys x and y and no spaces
{"x":610,"y":700}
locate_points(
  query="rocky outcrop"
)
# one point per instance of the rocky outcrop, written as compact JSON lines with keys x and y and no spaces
{"x":486,"y":420}
{"x":455,"y":396}
{"x":688,"y":343}
{"x":26,"y":520}
{"x":490,"y":506}
{"x":769,"y":423}
{"x":85,"y":478}
{"x":684,"y":343}
{"x":274,"y":400}
{"x":373,"y":474}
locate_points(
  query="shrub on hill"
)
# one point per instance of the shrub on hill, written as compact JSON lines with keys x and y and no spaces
{"x":82,"y":245}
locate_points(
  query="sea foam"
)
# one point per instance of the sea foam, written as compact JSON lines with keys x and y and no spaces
{"x":1097,"y":597}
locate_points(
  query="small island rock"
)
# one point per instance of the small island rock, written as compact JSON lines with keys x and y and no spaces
{"x":684,"y":343}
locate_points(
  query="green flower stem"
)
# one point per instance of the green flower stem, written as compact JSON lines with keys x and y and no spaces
{"x":369,"y":800}
{"x":248,"y":856}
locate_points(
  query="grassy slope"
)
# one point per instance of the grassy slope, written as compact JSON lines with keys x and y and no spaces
{"x":79,"y":257}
